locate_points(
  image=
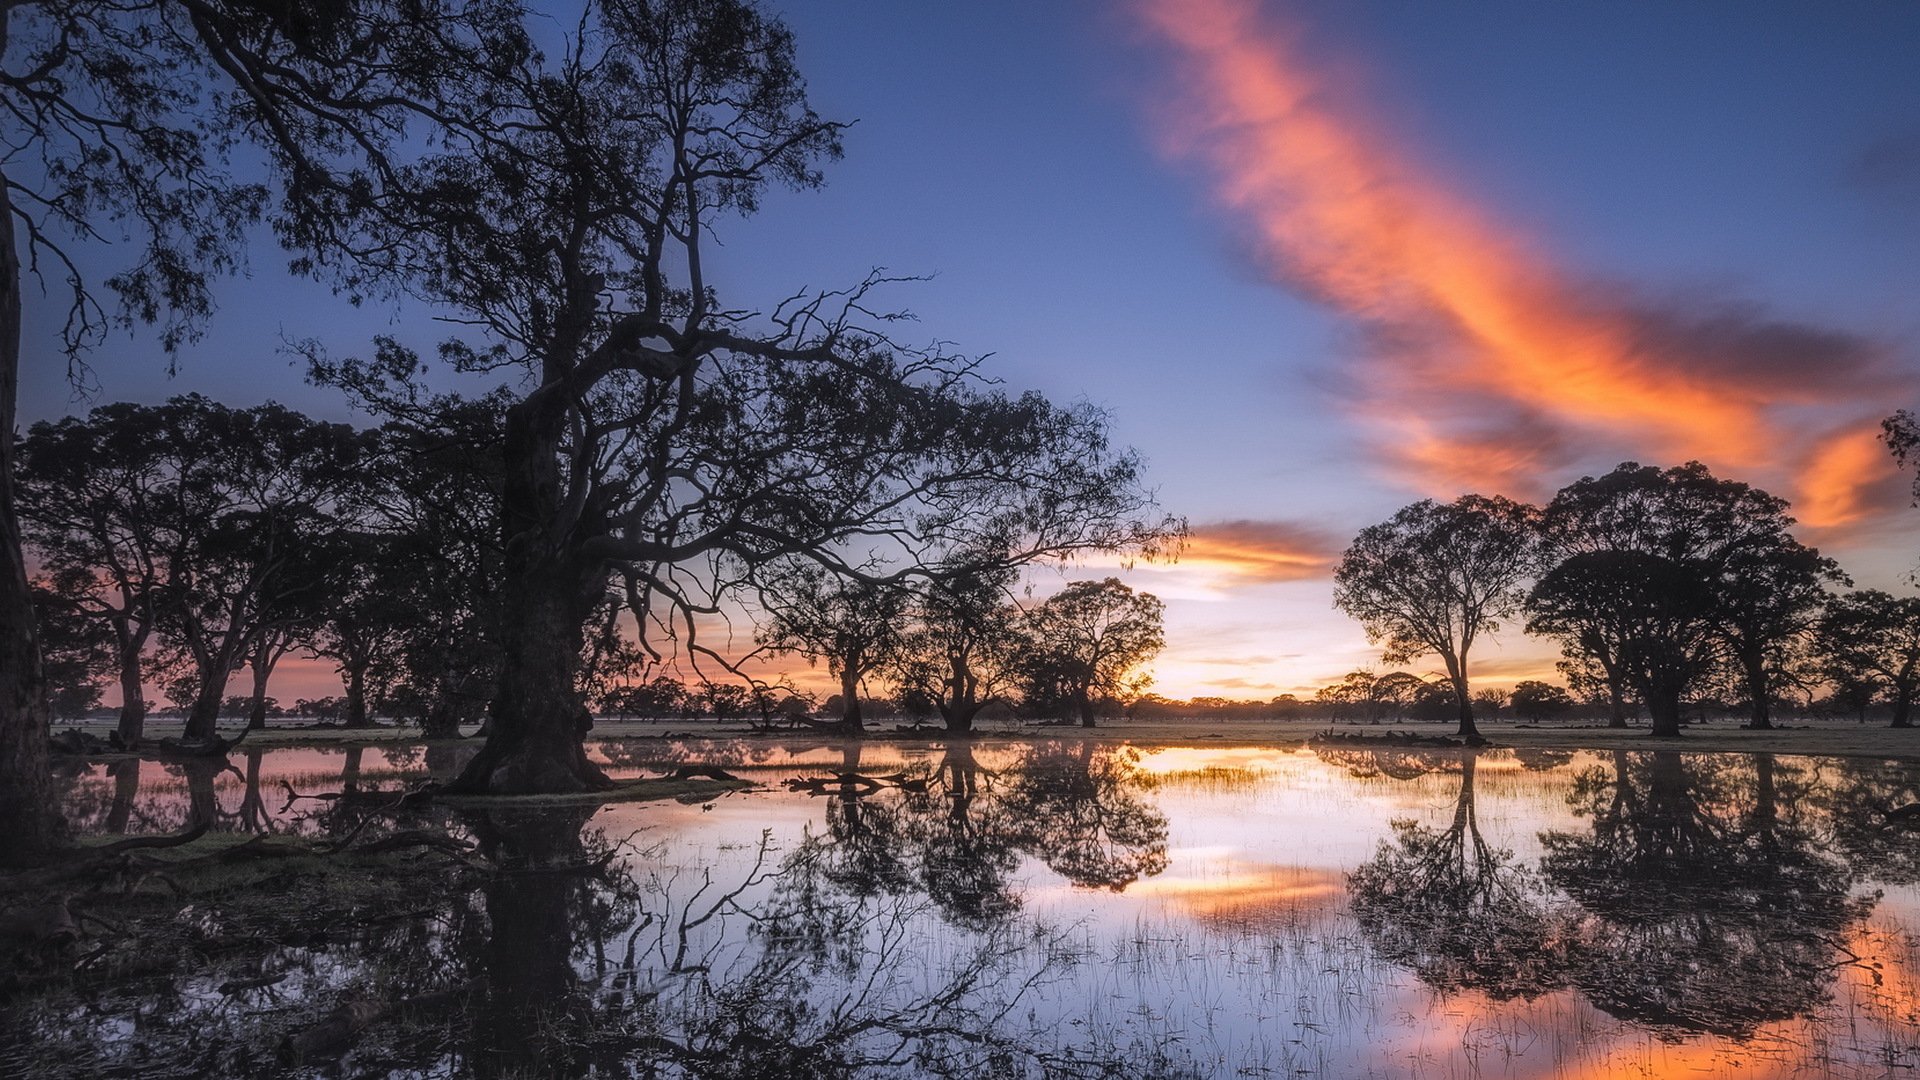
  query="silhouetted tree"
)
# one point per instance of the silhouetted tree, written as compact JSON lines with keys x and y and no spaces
{"x":1088,"y":641}
{"x":77,"y":648}
{"x":668,"y":443}
{"x":1639,"y":581}
{"x":91,"y":494}
{"x":260,"y":490}
{"x":963,"y":649}
{"x":1874,"y":637}
{"x":854,"y":626}
{"x":1536,"y":700}
{"x":1771,"y":594}
{"x":432,"y":492}
{"x":1434,"y":577}
{"x":125,"y":111}
{"x":365,"y":618}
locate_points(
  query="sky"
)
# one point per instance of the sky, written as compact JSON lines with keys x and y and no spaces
{"x":1320,"y":260}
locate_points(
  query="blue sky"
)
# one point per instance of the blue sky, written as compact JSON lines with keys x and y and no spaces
{"x":1062,"y":169}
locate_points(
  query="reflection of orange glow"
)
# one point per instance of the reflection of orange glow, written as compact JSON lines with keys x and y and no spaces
{"x":1249,"y":893}
{"x":1832,"y":487}
{"x":1468,"y":321}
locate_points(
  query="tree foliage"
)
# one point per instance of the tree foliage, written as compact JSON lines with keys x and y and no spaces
{"x":1435,"y":577}
{"x":1088,"y":641}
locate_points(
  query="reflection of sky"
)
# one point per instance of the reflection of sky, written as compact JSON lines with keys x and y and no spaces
{"x":1243,"y":948}
{"x":1052,"y":164}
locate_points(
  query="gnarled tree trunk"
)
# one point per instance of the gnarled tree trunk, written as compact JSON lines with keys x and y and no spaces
{"x":1760,"y":689}
{"x":29,"y":824}
{"x":133,"y":691}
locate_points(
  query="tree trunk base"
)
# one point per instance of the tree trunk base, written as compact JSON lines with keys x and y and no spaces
{"x":531,"y":770}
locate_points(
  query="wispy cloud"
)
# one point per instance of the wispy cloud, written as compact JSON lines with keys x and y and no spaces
{"x":1486,"y":366}
{"x":1261,"y":552}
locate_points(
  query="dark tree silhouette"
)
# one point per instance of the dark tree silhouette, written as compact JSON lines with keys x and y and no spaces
{"x":963,"y":649}
{"x":1771,"y":595}
{"x":76,"y":646}
{"x":123,"y":113}
{"x":432,"y":494}
{"x":671,"y":444}
{"x":366,"y":617}
{"x":854,"y":626}
{"x":1641,"y":562}
{"x":1434,"y":577}
{"x":1873,"y":637}
{"x":1088,"y":640}
{"x":192,"y":518}
{"x":90,"y":492}
{"x":260,"y":489}
{"x":1536,"y":700}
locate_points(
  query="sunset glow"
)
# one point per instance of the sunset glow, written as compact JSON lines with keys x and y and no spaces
{"x":1533,"y":370}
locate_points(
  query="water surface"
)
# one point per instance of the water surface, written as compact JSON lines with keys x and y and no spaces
{"x":1070,"y":908}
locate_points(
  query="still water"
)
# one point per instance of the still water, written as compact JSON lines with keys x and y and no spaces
{"x":1060,"y":908}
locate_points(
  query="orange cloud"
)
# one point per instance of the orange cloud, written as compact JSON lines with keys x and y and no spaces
{"x":1846,"y":478}
{"x":1262,"y":552}
{"x":1489,"y":367}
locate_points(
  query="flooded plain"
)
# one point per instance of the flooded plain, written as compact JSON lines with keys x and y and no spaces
{"x":1018,"y":909}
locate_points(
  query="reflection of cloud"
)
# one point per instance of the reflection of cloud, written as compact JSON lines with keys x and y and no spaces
{"x":1486,"y":365}
{"x":1261,"y":552}
{"x":1250,"y":893}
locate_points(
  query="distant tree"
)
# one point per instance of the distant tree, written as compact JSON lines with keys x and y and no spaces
{"x":1535,"y":700}
{"x":661,"y":698}
{"x":1089,"y":639}
{"x":260,"y":492}
{"x":1355,"y":696}
{"x":77,"y":647}
{"x":1873,"y":637}
{"x":855,"y":627}
{"x":1771,"y":595}
{"x":1394,"y":693}
{"x":725,"y":701}
{"x":1641,"y":560}
{"x":963,"y":651}
{"x":90,"y":492}
{"x":1434,"y":577}
{"x":1489,"y":702}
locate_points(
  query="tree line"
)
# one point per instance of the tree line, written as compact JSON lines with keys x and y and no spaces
{"x":182,"y":543}
{"x":1659,"y":586}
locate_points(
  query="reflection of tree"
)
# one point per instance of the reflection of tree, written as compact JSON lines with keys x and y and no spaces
{"x":956,"y":835}
{"x":1859,"y":797}
{"x":1075,"y":811}
{"x":126,"y":784}
{"x":966,"y":854}
{"x":533,"y":899}
{"x":1711,"y":906}
{"x":1457,"y":910}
